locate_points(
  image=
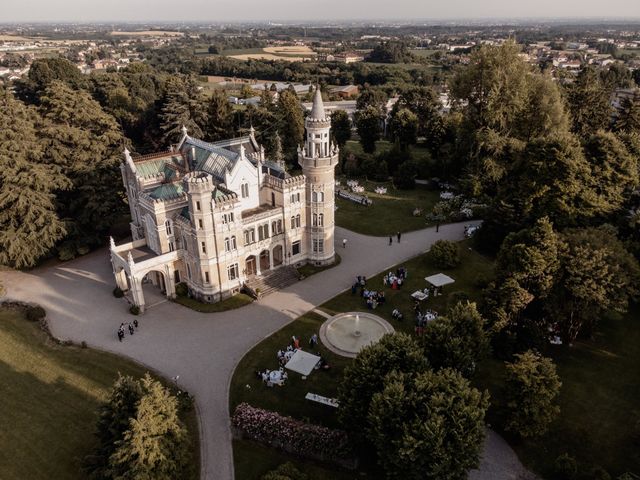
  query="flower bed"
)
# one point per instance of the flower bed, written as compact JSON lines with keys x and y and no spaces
{"x":293,"y":436}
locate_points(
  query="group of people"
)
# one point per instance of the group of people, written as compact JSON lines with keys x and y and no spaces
{"x":395,"y":280}
{"x":373,"y":298}
{"x":273,"y":377}
{"x":130,"y":326}
{"x":398,"y":237}
{"x":361,"y":282}
{"x":423,"y":318}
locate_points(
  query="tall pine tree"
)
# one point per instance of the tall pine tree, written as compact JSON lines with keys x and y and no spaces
{"x":220,"y":118}
{"x":183,"y":105}
{"x":29,"y":225}
{"x":86,"y":143}
{"x":155,"y":445}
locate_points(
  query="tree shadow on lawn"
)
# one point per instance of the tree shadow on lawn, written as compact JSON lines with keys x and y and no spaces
{"x":47,"y":428}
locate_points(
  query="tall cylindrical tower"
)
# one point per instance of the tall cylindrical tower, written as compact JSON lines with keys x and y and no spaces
{"x":318,"y":159}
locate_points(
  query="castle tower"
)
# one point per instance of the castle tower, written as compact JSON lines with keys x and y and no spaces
{"x":318,"y":159}
{"x":199,"y":187}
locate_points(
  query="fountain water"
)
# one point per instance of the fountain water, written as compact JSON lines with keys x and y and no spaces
{"x":347,"y":333}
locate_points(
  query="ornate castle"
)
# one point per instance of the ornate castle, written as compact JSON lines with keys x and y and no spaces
{"x":217,"y":215}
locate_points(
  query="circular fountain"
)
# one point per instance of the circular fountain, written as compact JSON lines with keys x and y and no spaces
{"x":347,"y":333}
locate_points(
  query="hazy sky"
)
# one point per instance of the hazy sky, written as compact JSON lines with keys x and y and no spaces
{"x":250,"y":10}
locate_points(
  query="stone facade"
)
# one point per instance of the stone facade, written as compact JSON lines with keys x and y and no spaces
{"x":215,"y":215}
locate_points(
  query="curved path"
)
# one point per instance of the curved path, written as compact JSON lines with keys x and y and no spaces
{"x":203,"y":349}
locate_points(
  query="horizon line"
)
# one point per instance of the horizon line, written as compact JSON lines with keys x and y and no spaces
{"x":407,"y":21}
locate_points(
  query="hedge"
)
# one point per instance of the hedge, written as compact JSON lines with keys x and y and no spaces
{"x":293,"y":436}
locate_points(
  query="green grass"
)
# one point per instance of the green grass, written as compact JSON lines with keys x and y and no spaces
{"x":389,"y":213}
{"x":599,"y":401}
{"x":289,"y":400}
{"x":253,"y":460}
{"x":50,"y":394}
{"x":470,"y":276}
{"x":231,"y":303}
{"x":309,"y":269}
{"x":424,"y":52}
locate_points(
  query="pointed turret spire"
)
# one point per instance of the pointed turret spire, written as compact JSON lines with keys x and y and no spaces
{"x":317,"y":111}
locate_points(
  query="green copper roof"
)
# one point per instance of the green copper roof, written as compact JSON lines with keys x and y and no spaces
{"x":167,"y":191}
{"x":150,"y":168}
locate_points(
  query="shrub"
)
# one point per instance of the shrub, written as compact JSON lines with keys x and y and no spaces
{"x":134,"y":310}
{"x":444,"y":254}
{"x":599,"y":473}
{"x":118,"y":293}
{"x":35,"y":314}
{"x":457,"y":297}
{"x":182,"y":290}
{"x":291,"y":435}
{"x":286,"y":471}
{"x":566,"y":467}
{"x":405,"y":176}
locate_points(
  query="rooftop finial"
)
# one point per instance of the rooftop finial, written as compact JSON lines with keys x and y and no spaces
{"x":252,"y":131}
{"x":184,"y":130}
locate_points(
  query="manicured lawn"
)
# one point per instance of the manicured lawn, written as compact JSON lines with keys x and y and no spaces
{"x":237,"y":301}
{"x":253,"y":460}
{"x":599,"y":401}
{"x":470,"y":277}
{"x":389,"y":213}
{"x":289,"y":399}
{"x":49,"y":398}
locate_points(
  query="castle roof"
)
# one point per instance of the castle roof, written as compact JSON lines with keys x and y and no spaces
{"x":217,"y":158}
{"x":318,"y":113}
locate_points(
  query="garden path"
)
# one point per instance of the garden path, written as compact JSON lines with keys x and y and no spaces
{"x":203,"y":349}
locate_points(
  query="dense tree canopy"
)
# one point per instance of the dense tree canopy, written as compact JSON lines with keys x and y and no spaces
{"x":589,"y":103}
{"x":532,"y":387}
{"x":429,"y":425}
{"x":29,"y":224}
{"x":183,"y":106}
{"x":457,"y":340}
{"x":364,"y":377}
{"x":597,"y":275}
{"x":368,"y":124}
{"x":86,"y":144}
{"x":340,"y":127}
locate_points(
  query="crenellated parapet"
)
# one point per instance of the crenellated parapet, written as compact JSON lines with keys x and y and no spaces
{"x":198,"y":182}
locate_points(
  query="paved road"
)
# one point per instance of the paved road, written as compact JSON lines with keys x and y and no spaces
{"x":203,"y":349}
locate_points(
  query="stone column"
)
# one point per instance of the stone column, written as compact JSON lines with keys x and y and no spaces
{"x":137,"y":293}
{"x":170,"y":282}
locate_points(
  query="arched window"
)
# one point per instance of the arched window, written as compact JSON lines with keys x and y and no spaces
{"x":293,"y":222}
{"x":168,"y":227}
{"x":320,"y":219}
{"x":227,"y":244}
{"x":320,"y":196}
{"x":234,"y":244}
{"x":314,"y":197}
{"x":298,"y":220}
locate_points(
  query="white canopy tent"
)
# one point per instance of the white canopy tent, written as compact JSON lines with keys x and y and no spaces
{"x":439,"y":280}
{"x":302,"y":362}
